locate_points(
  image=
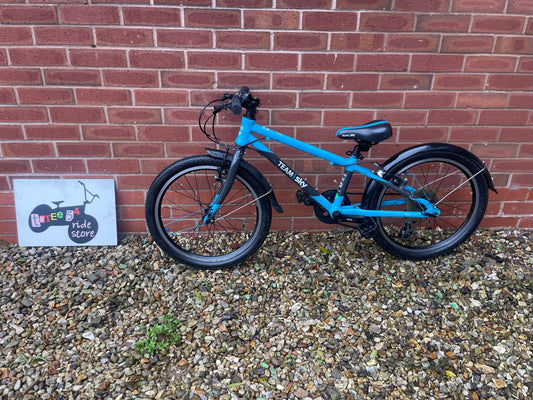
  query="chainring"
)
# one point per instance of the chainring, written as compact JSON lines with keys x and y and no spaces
{"x":322,"y":214}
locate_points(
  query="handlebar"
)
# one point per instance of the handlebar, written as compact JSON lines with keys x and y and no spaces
{"x":239,"y":100}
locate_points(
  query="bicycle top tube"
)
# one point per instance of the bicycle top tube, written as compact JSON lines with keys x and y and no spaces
{"x":249,"y":127}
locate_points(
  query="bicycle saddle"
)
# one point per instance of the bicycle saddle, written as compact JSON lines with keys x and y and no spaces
{"x":373,"y":132}
{"x":57,"y":203}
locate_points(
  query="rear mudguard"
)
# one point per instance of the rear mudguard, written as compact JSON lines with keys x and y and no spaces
{"x":428,"y":147}
{"x":252,"y":171}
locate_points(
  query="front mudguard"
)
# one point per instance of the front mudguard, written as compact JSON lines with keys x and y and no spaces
{"x":252,"y":171}
{"x":372,"y":186}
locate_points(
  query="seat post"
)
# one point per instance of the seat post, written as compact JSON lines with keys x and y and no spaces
{"x":360,"y":146}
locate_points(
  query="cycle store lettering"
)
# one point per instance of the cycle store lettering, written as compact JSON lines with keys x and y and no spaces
{"x":86,"y":208}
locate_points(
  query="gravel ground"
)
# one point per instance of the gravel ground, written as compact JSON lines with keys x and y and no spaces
{"x":312,"y":316}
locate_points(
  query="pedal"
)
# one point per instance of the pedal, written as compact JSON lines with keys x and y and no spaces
{"x":303,"y":197}
{"x":367,"y":227}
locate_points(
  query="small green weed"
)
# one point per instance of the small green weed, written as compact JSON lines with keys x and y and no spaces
{"x":160,"y":336}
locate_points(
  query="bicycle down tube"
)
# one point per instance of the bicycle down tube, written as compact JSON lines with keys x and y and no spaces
{"x":246,"y":137}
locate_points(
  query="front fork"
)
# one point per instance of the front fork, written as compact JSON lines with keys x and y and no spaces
{"x":211,"y":209}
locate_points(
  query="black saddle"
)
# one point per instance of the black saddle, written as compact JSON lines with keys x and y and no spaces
{"x":373,"y":132}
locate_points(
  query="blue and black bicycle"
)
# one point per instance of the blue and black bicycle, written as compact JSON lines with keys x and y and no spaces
{"x":214,"y":211}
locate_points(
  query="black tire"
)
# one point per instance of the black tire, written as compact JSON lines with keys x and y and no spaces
{"x":436,"y":175}
{"x":175,"y":207}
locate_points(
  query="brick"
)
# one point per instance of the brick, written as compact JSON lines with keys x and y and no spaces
{"x":525,"y":223}
{"x":384,"y":22}
{"x":136,"y":115}
{"x":63,"y":35}
{"x":214,"y":60}
{"x":160,"y":97}
{"x":113,"y":166}
{"x":526,"y":150}
{"x":188,"y":79}
{"x":277,"y":99}
{"x":3,"y":57}
{"x":45,"y":96}
{"x":300,"y":41}
{"x":15,"y":167}
{"x":437,"y":63}
{"x":473,"y":134}
{"x":377,"y":99}
{"x":421,"y":5}
{"x":515,"y":165}
{"x":134,"y":78}
{"x":59,"y":166}
{"x":494,"y":150}
{"x":325,"y":21}
{"x":520,"y":7}
{"x":52,"y":132}
{"x":406,"y":82}
{"x":478,"y":6}
{"x":521,"y":180}
{"x":15,"y":35}
{"x":327,"y":62}
{"x":426,"y":100}
{"x":442,"y":23}
{"x":20,"y":76}
{"x":510,"y":82}
{"x":7,"y":96}
{"x":498,"y":24}
{"x":364,"y":4}
{"x":163,"y":133}
{"x":77,"y":114}
{"x":71,"y":77}
{"x":490,"y":63}
{"x":254,"y":80}
{"x":418,"y":43}
{"x":467,"y":44}
{"x":525,"y":64}
{"x":521,"y":100}
{"x":402,"y":117}
{"x":271,"y":19}
{"x":89,"y":14}
{"x":352,"y":81}
{"x":311,"y":4}
{"x":297,"y":81}
{"x":131,"y":37}
{"x":242,"y":40}
{"x":358,"y":41}
{"x":514,"y":45}
{"x":181,"y":116}
{"x":82,"y":149}
{"x":27,"y":149}
{"x":503,"y":117}
{"x":138,"y":149}
{"x":482,"y":100}
{"x":11,"y":132}
{"x":499,"y":222}
{"x":28,"y":15}
{"x":245,"y":3}
{"x":382,"y":62}
{"x":108,"y":132}
{"x":423,"y":134}
{"x":269,"y":61}
{"x":452,"y":117}
{"x":295,"y":117}
{"x":151,"y":16}
{"x":101,"y":96}
{"x":459,"y":82}
{"x":23,"y":114}
{"x":346,"y":118}
{"x":184,"y":2}
{"x":157,"y":59}
{"x":211,"y":18}
{"x":38,"y":57}
{"x":190,"y":38}
{"x":324,"y":100}
{"x":98,"y":58}
{"x":514,"y":134}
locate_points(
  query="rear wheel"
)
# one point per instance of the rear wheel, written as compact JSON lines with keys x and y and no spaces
{"x":177,"y":203}
{"x":448,"y":181}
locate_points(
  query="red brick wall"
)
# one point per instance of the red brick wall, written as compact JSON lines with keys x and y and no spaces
{"x":113,"y":88}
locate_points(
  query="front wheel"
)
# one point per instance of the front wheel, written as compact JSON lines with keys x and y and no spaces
{"x":179,"y":199}
{"x":445,"y":179}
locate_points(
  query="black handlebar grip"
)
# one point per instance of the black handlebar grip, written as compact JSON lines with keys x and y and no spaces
{"x":236,"y":106}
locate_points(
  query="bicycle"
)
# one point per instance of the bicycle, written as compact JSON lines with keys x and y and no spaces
{"x":82,"y":227}
{"x":214,"y":211}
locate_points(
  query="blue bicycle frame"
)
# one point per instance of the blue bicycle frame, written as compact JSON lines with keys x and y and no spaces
{"x":247,"y":137}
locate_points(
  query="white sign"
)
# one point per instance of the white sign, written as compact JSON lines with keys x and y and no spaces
{"x":65,"y":212}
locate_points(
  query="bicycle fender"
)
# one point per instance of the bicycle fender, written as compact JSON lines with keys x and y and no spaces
{"x":421,"y":148}
{"x":252,"y":171}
